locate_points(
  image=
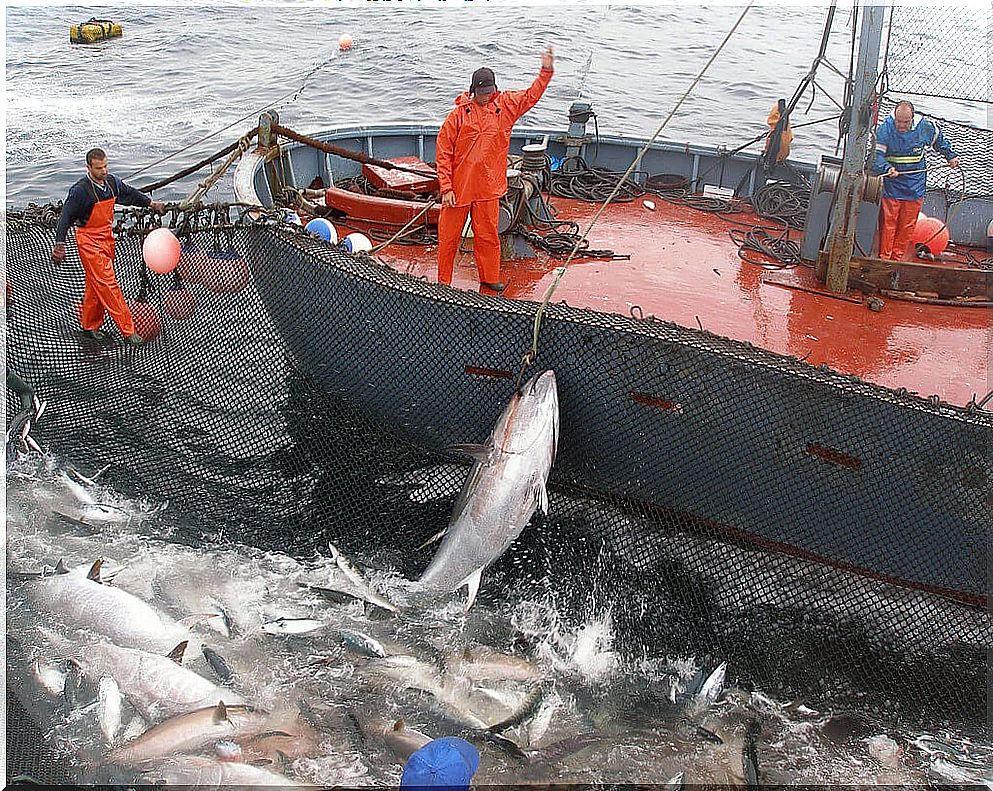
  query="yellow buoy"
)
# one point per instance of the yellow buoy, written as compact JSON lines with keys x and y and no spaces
{"x":93,"y":31}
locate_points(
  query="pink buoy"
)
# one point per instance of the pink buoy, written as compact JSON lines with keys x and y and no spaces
{"x":191,"y":263}
{"x":225,"y":272}
{"x":147,"y":322}
{"x":179,"y":303}
{"x":161,"y":250}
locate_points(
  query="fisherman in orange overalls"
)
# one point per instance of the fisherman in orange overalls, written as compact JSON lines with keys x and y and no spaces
{"x":471,"y":154}
{"x":90,"y":207}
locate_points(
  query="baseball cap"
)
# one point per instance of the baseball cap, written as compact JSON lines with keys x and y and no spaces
{"x":448,"y":762}
{"x":483,"y":81}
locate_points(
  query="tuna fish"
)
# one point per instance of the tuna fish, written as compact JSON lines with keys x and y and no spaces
{"x":79,"y":601}
{"x":504,"y":488}
{"x":194,"y":771}
{"x":156,"y":685}
{"x":190,"y":732}
{"x":402,"y":740}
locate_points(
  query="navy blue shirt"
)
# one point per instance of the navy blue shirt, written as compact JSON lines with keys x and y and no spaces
{"x":83,"y":196}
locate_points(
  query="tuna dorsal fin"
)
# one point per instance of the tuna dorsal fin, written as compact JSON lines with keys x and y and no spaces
{"x":480,"y":453}
{"x":399,"y":725}
{"x":94,"y":572}
{"x":176,"y":654}
{"x":60,"y":567}
{"x":220,"y":712}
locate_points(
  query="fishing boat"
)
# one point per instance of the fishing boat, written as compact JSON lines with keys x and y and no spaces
{"x":797,"y":398}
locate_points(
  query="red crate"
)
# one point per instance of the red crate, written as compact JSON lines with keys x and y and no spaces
{"x":381,"y":178}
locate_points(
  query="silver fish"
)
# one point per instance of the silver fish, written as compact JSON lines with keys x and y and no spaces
{"x":193,"y":771}
{"x":292,"y":626}
{"x":480,"y":663}
{"x":362,"y":643}
{"x":402,"y":740}
{"x":190,"y":732}
{"x":504,"y":488}
{"x":357,"y":585}
{"x":78,"y":601}
{"x":109,"y":708}
{"x":156,"y":685}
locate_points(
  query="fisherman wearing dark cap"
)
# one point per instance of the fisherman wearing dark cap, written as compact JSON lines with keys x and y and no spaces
{"x":448,"y":762}
{"x":471,"y":156}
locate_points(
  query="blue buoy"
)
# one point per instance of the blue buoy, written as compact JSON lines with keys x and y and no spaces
{"x":324,"y":229}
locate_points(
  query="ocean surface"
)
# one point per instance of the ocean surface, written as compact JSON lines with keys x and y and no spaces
{"x":180,"y":73}
{"x":264,"y":450}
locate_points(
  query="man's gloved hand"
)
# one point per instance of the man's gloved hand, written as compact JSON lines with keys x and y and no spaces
{"x":548,"y":58}
{"x":157,"y":206}
{"x":59,"y":254}
{"x":448,"y":199}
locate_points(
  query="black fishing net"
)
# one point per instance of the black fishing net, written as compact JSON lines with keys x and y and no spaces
{"x":945,"y":55}
{"x":306,"y":389}
{"x":940,"y":53}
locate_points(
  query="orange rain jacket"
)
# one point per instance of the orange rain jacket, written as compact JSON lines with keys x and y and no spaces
{"x":473,"y":142}
{"x":785,"y":141}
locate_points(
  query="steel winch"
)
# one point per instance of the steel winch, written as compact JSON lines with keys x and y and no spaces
{"x":528,"y":175}
{"x":828,"y":176}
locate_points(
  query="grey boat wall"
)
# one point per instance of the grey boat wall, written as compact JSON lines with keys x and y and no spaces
{"x":775,"y":452}
{"x":772,"y":450}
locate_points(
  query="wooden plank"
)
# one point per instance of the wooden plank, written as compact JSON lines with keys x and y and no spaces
{"x":936,"y":281}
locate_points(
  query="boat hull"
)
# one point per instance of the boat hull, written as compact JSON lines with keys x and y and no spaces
{"x":772,"y":451}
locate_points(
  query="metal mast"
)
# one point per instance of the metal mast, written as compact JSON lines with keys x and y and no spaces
{"x":844,"y":220}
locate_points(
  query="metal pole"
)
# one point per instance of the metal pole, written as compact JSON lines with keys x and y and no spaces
{"x":844,"y":221}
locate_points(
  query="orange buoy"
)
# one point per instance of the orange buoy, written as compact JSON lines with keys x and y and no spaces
{"x":191,"y":263}
{"x":932,"y":233}
{"x":225,"y":272}
{"x":161,"y":250}
{"x":344,"y":42}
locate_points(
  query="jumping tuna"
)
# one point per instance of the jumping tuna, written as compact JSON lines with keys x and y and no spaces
{"x":504,"y":488}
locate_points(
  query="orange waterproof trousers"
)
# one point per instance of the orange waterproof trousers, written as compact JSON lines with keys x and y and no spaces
{"x":897,"y":220}
{"x":485,"y":239}
{"x":95,"y":243}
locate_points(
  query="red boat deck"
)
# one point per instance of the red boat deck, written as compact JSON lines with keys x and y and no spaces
{"x":684,"y":268}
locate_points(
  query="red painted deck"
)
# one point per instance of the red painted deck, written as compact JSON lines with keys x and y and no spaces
{"x":685,"y":268}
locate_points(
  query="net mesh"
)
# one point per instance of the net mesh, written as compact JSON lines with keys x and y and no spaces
{"x":280,"y":417}
{"x":932,"y":57}
{"x":944,"y":54}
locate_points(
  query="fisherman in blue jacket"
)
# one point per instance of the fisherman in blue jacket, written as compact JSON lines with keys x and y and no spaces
{"x":901,"y":142}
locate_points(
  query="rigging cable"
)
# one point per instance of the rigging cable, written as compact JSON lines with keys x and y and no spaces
{"x":531,"y":354}
{"x":291,"y":95}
